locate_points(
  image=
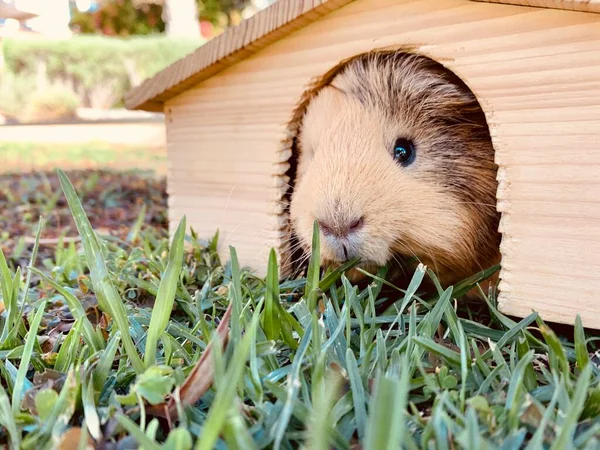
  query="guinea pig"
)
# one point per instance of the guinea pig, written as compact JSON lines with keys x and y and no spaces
{"x":396,"y":164}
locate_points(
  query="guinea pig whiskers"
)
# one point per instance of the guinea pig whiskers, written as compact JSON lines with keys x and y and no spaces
{"x":295,"y":247}
{"x":288,"y":185}
{"x":304,"y":259}
{"x":407,"y":248}
{"x":400,"y":264}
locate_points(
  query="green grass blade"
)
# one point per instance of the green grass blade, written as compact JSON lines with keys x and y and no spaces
{"x":106,"y":361}
{"x":106,"y":293}
{"x":292,"y":388}
{"x":92,"y":420}
{"x":5,"y":278}
{"x":487,"y":383}
{"x":529,"y":378}
{"x":224,"y":398}
{"x":414,"y":284}
{"x":7,"y":420}
{"x":10,"y":304}
{"x":15,"y":328}
{"x":235,"y":432}
{"x":61,"y":413}
{"x":434,"y":317}
{"x":567,"y":431}
{"x":516,"y":387}
{"x":358,"y":394}
{"x":167,"y":289}
{"x":137,"y":226}
{"x":235,"y":296}
{"x":69,"y":349}
{"x":335,"y":328}
{"x":471,"y":437}
{"x":581,"y":354}
{"x":33,"y":257}
{"x":320,"y":423}
{"x":465,"y":366}
{"x":178,"y":439}
{"x":313,"y":274}
{"x":270,"y":316}
{"x":386,"y":427}
{"x":509,"y":323}
{"x":301,"y":412}
{"x":557,"y":356}
{"x":513,"y":333}
{"x":449,"y":355}
{"x":467,"y":284}
{"x":439,"y":427}
{"x":137,"y":433}
{"x":18,"y":390}
{"x":288,"y":325}
{"x":537,"y":439}
{"x":329,"y":279}
{"x":11,"y":375}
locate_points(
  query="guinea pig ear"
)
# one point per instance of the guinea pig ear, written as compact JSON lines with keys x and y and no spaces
{"x":458,"y":88}
{"x":328,"y":104}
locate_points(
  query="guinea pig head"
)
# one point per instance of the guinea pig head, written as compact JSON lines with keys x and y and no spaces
{"x":395,"y":160}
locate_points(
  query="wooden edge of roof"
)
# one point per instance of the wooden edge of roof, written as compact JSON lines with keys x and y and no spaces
{"x":233,"y":45}
{"x":258,"y":32}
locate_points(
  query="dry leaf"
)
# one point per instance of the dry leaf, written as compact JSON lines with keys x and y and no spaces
{"x":222,"y":291}
{"x":70,"y":440}
{"x":199,"y":379}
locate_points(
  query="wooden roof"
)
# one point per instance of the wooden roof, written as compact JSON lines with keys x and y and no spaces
{"x":258,"y":32}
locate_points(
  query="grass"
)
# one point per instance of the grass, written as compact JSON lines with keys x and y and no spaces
{"x":24,"y":156}
{"x":224,"y":359}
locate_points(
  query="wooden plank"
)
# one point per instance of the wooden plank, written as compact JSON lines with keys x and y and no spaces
{"x":592,"y":6}
{"x":535,"y":191}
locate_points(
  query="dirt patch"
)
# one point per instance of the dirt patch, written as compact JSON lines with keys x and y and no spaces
{"x":112,"y":200}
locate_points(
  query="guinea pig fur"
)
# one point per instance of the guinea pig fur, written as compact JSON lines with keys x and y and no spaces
{"x":396,"y":163}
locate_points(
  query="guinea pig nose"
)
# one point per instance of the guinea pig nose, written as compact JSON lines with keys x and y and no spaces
{"x":342,"y":228}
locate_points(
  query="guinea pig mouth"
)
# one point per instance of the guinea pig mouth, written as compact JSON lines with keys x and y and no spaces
{"x":341,"y":249}
{"x":346,"y":253}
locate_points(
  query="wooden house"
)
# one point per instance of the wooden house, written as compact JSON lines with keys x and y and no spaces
{"x":533,"y":64}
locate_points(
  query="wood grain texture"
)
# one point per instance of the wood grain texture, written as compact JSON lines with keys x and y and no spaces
{"x":261,"y":30}
{"x":570,"y":5}
{"x":235,"y":44}
{"x":535,"y":71}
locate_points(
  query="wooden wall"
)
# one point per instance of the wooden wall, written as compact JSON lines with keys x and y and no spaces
{"x":536,"y":72}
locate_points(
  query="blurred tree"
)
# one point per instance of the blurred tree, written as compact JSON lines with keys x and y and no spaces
{"x":184,"y":18}
{"x":120,"y":18}
{"x":218,"y":12}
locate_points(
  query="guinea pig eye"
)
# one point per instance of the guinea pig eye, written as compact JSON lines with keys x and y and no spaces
{"x":404,"y":151}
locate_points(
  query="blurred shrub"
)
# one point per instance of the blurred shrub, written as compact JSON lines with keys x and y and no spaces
{"x":51,"y":103}
{"x":98,"y":69}
{"x":14,"y":93}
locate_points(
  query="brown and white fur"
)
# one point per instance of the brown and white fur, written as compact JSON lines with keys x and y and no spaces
{"x":439,"y":210}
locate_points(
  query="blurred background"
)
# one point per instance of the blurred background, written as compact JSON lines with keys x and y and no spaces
{"x":65,"y":66}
